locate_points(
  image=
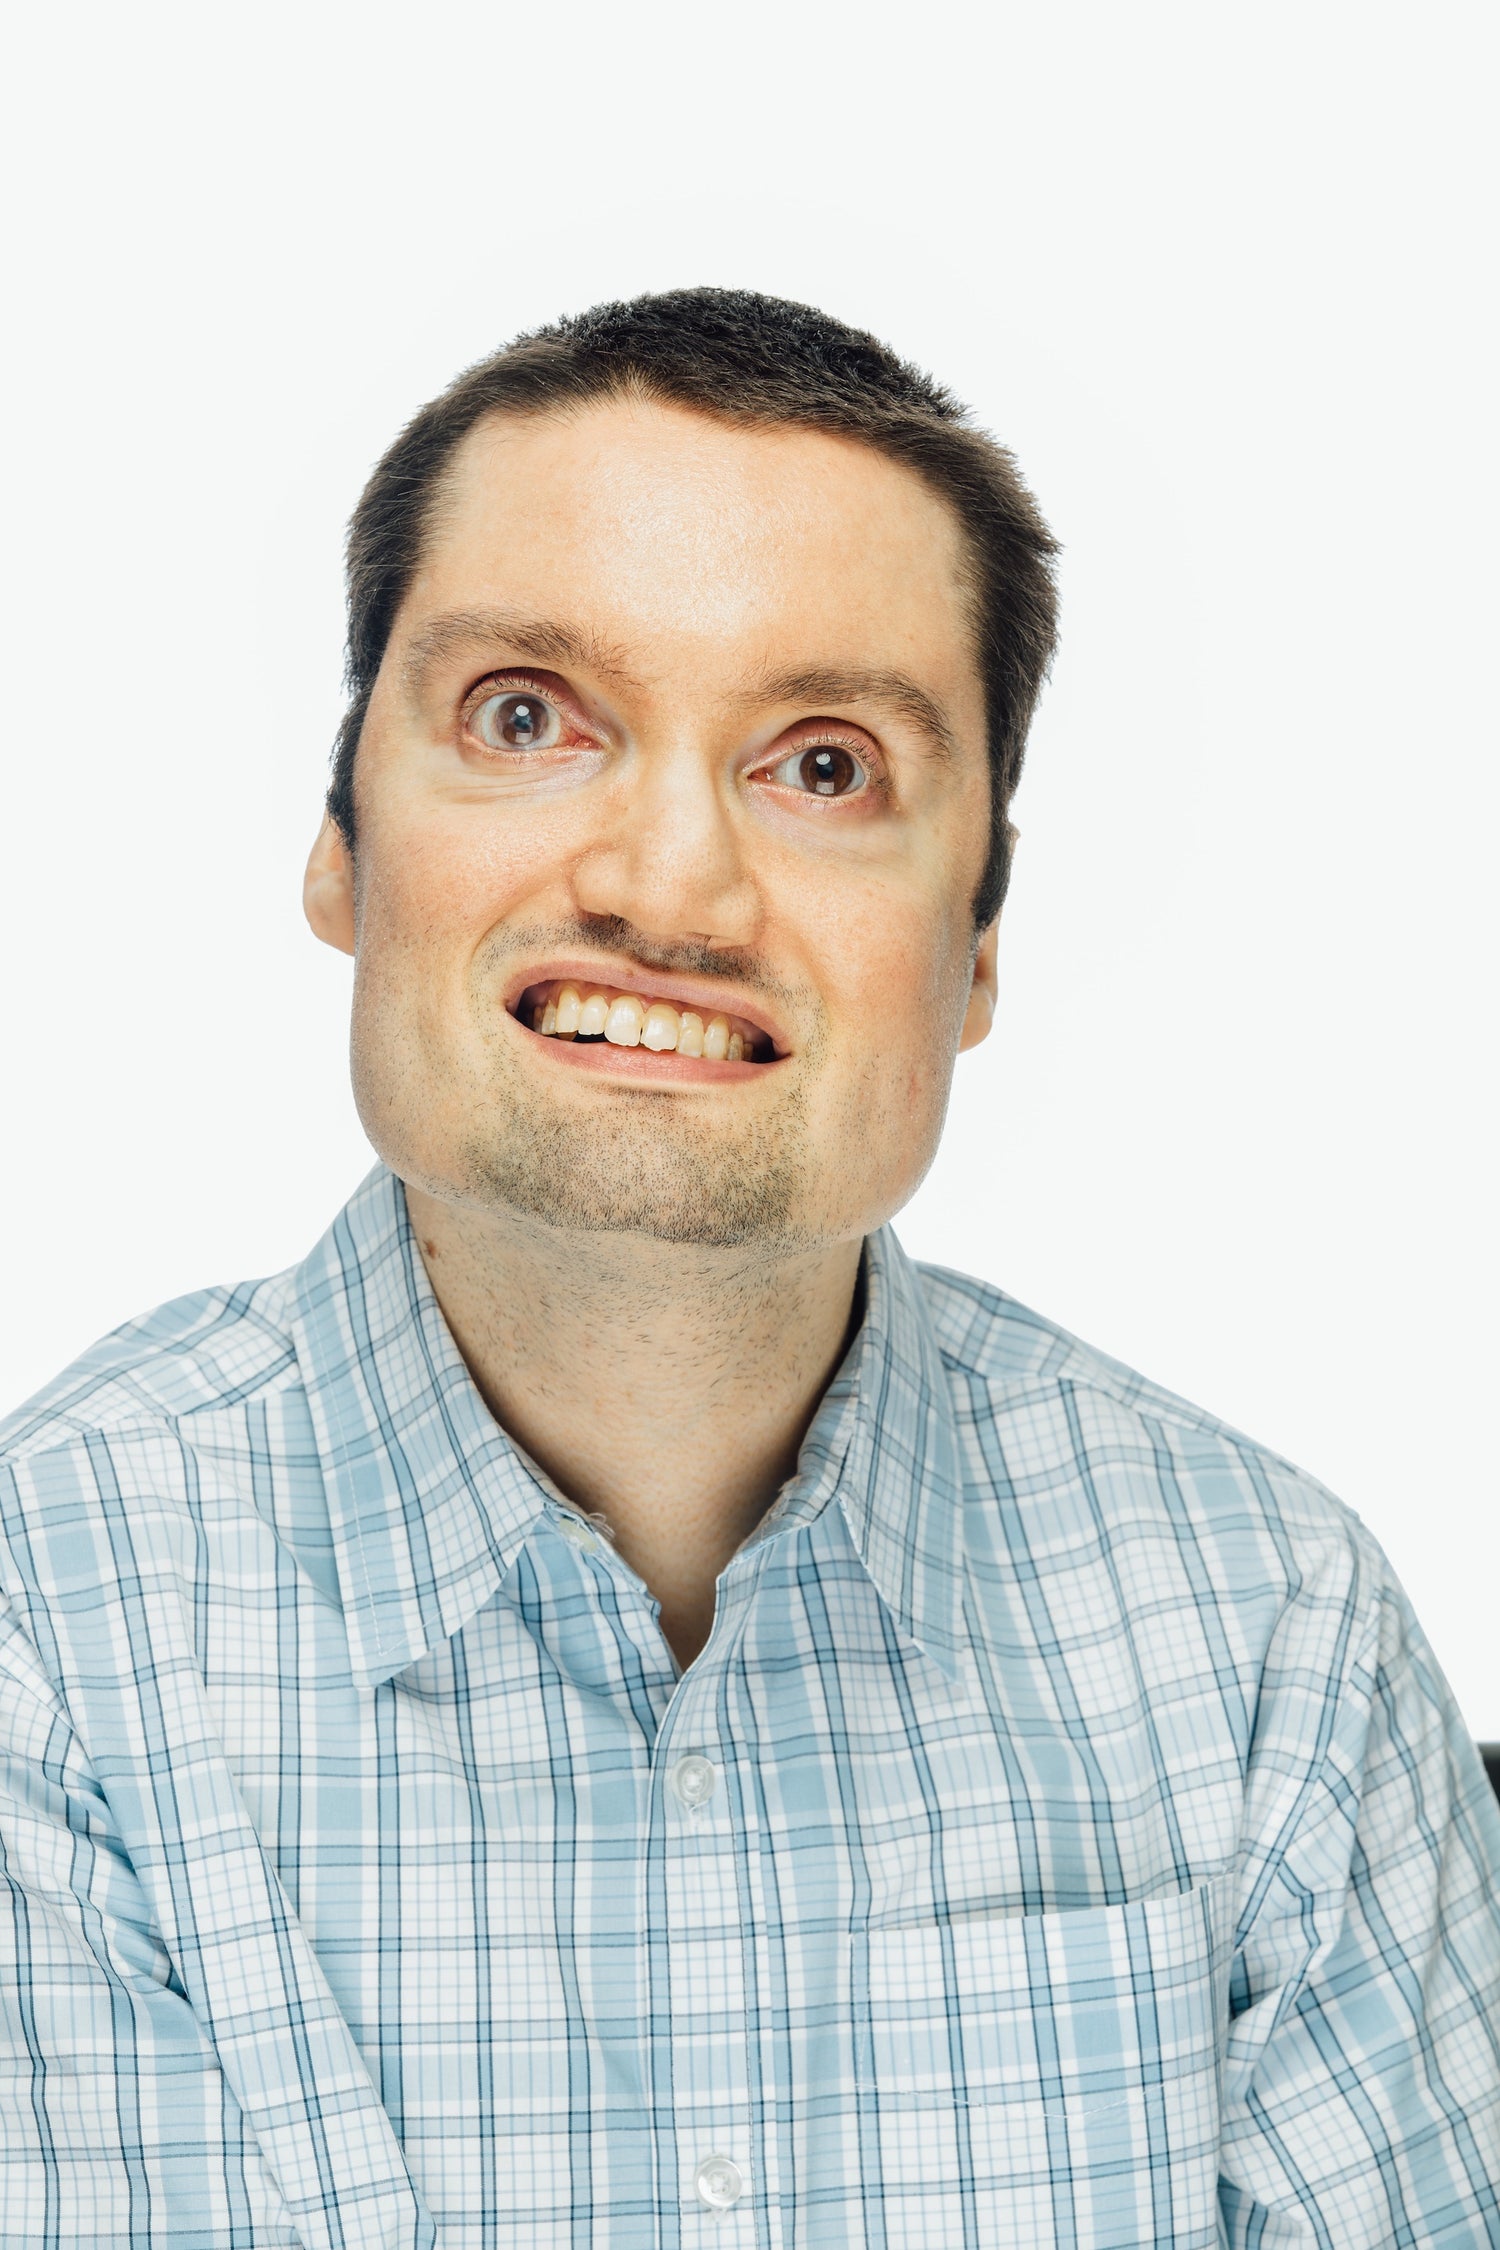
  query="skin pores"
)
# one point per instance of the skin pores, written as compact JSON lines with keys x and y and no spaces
{"x":669,"y":699}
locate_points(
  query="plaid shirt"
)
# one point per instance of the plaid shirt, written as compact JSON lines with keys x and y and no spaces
{"x":1065,"y":1836}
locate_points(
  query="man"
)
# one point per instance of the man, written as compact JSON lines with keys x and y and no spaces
{"x":607,"y":1708}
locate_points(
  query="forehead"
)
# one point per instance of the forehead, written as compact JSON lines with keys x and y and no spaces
{"x":670,"y":532}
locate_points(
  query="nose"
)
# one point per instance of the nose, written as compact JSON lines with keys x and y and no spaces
{"x":671,"y":858}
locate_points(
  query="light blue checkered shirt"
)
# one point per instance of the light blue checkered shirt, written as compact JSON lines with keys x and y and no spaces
{"x":1065,"y":1837}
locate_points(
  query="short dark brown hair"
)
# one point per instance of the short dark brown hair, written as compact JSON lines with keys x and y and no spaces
{"x":752,"y":360}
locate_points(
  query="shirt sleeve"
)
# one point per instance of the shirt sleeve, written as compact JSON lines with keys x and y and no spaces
{"x":1362,"y":2099}
{"x":116,"y":2126}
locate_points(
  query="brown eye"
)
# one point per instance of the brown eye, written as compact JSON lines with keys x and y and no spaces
{"x":517,"y":720}
{"x":826,"y":769}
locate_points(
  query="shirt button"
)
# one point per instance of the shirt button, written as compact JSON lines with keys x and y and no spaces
{"x":577,"y":1534}
{"x":694,"y":1781}
{"x":720,"y":2183}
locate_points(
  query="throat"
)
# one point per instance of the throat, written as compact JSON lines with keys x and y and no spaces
{"x":668,"y":1394}
{"x":687,"y":1627}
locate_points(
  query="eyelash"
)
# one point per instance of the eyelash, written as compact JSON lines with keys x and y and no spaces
{"x":877,"y":781}
{"x":511,"y":683}
{"x":528,"y":683}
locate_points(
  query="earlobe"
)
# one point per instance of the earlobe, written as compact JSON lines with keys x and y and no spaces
{"x":980,"y":1013}
{"x":328,"y":889}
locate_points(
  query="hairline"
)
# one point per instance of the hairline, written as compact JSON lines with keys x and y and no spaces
{"x":1003,"y":559}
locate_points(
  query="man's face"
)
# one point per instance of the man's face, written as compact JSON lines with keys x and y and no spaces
{"x":684,"y":715}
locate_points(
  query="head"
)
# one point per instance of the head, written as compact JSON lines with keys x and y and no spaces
{"x":692,"y":649}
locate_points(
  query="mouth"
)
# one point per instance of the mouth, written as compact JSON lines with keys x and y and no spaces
{"x":667,"y":1025}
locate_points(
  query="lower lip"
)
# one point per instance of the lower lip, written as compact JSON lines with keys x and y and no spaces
{"x":645,"y":1065}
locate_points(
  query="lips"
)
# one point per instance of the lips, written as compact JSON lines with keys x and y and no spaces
{"x":685,"y":1016}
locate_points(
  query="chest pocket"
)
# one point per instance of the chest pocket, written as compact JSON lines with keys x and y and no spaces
{"x":1051,"y":2078}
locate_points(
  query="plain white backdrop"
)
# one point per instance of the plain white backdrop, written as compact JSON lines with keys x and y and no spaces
{"x":1223,"y":279}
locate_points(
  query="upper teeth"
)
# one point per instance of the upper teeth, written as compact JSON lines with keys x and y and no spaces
{"x":628,"y":1021}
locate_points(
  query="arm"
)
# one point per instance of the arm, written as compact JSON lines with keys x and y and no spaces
{"x":1362,"y":2099}
{"x":116,"y":2127}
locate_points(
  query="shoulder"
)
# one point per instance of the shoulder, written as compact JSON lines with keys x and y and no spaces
{"x":202,"y":1353}
{"x":1039,"y":1407}
{"x":113,"y":1473}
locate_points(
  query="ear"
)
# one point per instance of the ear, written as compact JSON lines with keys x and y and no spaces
{"x":980,"y":1013}
{"x":328,"y":889}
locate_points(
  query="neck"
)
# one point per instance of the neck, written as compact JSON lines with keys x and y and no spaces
{"x":666,"y":1388}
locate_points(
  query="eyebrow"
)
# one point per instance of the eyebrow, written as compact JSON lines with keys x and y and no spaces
{"x":552,"y":641}
{"x":897,"y":691}
{"x":545,"y":640}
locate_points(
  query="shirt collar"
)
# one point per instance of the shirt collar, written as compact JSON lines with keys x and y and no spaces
{"x":430,"y":1501}
{"x":901,"y":1483}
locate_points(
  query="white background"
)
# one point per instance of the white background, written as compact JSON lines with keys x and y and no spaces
{"x":1219,"y":274}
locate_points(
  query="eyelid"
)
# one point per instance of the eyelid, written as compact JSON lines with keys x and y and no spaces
{"x":837,"y":734}
{"x":516,"y":679}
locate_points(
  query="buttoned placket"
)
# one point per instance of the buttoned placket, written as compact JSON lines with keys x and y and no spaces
{"x":698,"y":1924}
{"x":708,"y":1971}
{"x":702,"y":1937}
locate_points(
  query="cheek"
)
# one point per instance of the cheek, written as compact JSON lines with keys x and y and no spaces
{"x":437,"y":886}
{"x":902,"y":977}
{"x":423,"y":909}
